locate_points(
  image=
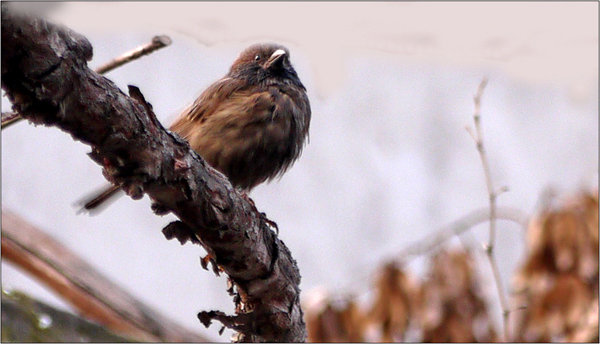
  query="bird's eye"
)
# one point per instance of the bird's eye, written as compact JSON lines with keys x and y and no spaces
{"x":257,"y":57}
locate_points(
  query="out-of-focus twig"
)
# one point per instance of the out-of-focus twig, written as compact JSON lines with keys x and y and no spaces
{"x":433,"y":240}
{"x":458,"y":227}
{"x":158,"y":42}
{"x":493,"y":194}
{"x":92,"y":294}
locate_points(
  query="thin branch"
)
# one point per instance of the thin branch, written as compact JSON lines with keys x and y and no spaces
{"x":158,"y":42}
{"x":52,"y":85}
{"x":501,"y":295}
{"x":9,"y":118}
{"x":458,"y":227}
{"x":88,"y":291}
{"x":437,"y":238}
{"x":477,"y":136}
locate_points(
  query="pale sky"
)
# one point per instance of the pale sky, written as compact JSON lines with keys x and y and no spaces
{"x":534,"y":41}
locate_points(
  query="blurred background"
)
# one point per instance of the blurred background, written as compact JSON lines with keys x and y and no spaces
{"x":389,"y":161}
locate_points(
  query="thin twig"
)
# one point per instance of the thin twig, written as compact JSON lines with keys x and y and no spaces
{"x":437,"y":238}
{"x":493,"y":194}
{"x":9,"y":118}
{"x":458,"y":227}
{"x":158,"y":42}
{"x":148,"y":48}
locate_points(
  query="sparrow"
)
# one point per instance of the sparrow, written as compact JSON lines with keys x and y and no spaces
{"x":251,"y":125}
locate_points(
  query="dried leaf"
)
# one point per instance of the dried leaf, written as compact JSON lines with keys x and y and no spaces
{"x":392,"y":308}
{"x":559,"y":279}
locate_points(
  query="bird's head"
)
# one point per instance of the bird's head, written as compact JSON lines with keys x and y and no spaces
{"x":260,"y":63}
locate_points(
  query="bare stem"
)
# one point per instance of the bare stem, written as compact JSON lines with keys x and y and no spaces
{"x":158,"y":42}
{"x":9,"y":118}
{"x":492,"y":195}
{"x":458,"y":227}
{"x":148,"y":48}
{"x":501,"y":295}
{"x":432,"y":241}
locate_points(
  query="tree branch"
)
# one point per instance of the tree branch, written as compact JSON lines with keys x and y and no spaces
{"x":10,"y":118}
{"x":27,"y":320}
{"x":457,"y":227}
{"x":477,"y":135}
{"x":148,"y":48}
{"x":157,"y":42}
{"x":83,"y":287}
{"x":45,"y":75}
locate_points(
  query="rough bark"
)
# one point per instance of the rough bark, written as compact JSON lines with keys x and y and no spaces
{"x":158,"y":42}
{"x":45,"y":75}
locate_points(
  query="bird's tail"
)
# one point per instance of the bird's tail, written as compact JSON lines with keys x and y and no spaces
{"x":93,"y":202}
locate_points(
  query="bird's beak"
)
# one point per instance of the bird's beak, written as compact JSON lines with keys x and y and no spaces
{"x":276,"y":59}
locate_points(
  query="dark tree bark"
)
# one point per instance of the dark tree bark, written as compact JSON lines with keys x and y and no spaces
{"x":45,"y":75}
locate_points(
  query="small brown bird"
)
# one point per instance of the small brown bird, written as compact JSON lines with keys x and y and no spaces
{"x":252,"y":124}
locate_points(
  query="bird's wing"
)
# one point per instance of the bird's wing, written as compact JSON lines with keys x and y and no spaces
{"x":208,"y":102}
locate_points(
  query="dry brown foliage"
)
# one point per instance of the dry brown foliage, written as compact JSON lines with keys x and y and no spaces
{"x":446,"y":306}
{"x":452,"y":307}
{"x":394,"y":304}
{"x":336,"y":322}
{"x":555,"y":295}
{"x":559,"y":280}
